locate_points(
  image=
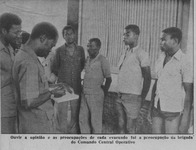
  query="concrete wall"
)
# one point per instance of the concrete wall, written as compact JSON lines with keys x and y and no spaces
{"x":35,"y":11}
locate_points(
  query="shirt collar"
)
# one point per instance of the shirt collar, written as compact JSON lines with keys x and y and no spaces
{"x":42,"y":60}
{"x":67,"y":44}
{"x":9,"y":50}
{"x":93,"y":60}
{"x":178,"y":54}
{"x":133,"y":49}
{"x":30,"y":51}
{"x":2,"y":47}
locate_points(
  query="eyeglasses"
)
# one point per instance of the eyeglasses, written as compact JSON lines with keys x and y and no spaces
{"x":16,"y":33}
{"x":126,"y":34}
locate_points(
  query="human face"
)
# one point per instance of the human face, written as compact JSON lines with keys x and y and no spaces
{"x":12,"y":36}
{"x":46,"y":47}
{"x":129,"y":37}
{"x":92,"y":49}
{"x":69,"y":36}
{"x":18,"y":42}
{"x":166,"y":42}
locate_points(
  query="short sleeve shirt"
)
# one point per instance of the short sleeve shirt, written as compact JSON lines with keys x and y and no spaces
{"x":96,"y":71}
{"x":30,"y":81}
{"x":130,"y":79}
{"x":46,"y":63}
{"x":8,"y":102}
{"x":170,"y":81}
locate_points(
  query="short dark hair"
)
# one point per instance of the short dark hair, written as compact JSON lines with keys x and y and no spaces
{"x":44,"y":28}
{"x":9,"y":19}
{"x":134,"y":28}
{"x":68,"y":27}
{"x":25,"y":36}
{"x":174,"y":32}
{"x":96,"y":40}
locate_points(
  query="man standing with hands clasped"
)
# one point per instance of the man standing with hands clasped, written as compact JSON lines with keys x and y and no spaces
{"x":173,"y":89}
{"x":133,"y":80}
{"x":96,"y":70}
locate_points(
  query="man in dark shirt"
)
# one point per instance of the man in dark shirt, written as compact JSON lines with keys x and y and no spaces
{"x":68,"y":64}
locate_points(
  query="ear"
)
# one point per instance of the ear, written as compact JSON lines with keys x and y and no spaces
{"x":136,"y":35}
{"x":42,"y":38}
{"x":4,"y":31}
{"x":175,"y":40}
{"x":63,"y":37}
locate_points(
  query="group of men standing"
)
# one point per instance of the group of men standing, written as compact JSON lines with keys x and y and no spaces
{"x":26,"y":104}
{"x":172,"y":94}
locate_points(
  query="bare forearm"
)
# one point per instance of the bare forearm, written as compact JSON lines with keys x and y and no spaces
{"x":187,"y":107}
{"x":147,"y":81}
{"x":146,"y":87}
{"x":107,"y":85}
{"x":55,"y":64}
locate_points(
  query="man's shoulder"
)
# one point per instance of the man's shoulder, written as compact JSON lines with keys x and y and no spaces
{"x":1,"y":46}
{"x":101,"y":57}
{"x":79,"y":47}
{"x":140,"y":51}
{"x":186,"y":60}
{"x":23,"y":57}
{"x":60,"y":48}
{"x":3,"y":49}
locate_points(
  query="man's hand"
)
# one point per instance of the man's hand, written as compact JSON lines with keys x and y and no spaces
{"x":104,"y":90}
{"x":60,"y":89}
{"x":184,"y":126}
{"x":106,"y":86}
{"x":58,"y":92}
{"x":64,"y":86}
{"x":67,"y":88}
{"x":144,"y":109}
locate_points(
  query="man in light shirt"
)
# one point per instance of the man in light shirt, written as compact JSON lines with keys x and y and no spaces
{"x":46,"y":62}
{"x":97,"y":69}
{"x":10,"y":29}
{"x":133,"y":80}
{"x":173,"y":89}
{"x":35,"y":108}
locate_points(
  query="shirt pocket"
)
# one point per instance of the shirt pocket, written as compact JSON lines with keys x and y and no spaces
{"x":44,"y":84}
{"x":174,"y":71}
{"x":43,"y":79}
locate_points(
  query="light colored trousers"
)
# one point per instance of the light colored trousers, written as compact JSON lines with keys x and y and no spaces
{"x":67,"y":117}
{"x":91,"y":111}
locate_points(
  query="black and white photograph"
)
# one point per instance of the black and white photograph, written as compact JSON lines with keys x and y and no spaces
{"x":97,"y":74}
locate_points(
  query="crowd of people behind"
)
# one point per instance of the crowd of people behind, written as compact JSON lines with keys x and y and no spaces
{"x":29,"y":68}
